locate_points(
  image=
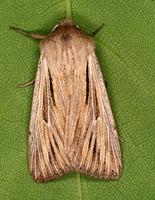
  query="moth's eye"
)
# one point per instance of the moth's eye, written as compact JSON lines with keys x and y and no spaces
{"x":77,"y":26}
{"x":55,"y":27}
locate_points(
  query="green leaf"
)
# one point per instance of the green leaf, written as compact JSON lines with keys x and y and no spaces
{"x":126,"y":51}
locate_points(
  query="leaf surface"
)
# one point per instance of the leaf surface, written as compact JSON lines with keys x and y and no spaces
{"x":126,"y":51}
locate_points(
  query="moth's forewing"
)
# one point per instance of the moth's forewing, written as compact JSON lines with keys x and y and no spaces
{"x":98,"y":153}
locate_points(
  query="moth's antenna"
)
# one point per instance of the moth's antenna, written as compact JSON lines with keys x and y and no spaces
{"x":97,"y":30}
{"x":68,"y":9}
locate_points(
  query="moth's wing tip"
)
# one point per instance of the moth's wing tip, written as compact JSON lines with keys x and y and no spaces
{"x":111,"y":175}
{"x":103,"y":176}
{"x":37,"y":179}
{"x":40,"y":178}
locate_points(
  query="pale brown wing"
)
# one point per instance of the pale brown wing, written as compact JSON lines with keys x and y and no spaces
{"x":96,"y":149}
{"x":47,"y":157}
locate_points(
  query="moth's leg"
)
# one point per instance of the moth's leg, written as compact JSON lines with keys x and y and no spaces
{"x":96,"y":31}
{"x":105,"y":82}
{"x":25,"y":33}
{"x":120,"y":139}
{"x":26,"y":84}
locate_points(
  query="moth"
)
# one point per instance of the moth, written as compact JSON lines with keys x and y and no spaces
{"x":72,"y":126}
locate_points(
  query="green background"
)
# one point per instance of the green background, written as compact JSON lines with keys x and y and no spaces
{"x":126,"y":51}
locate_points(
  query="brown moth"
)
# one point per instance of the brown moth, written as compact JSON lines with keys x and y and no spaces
{"x":72,"y":127}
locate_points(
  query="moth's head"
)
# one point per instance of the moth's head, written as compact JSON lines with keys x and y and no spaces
{"x":66,"y":25}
